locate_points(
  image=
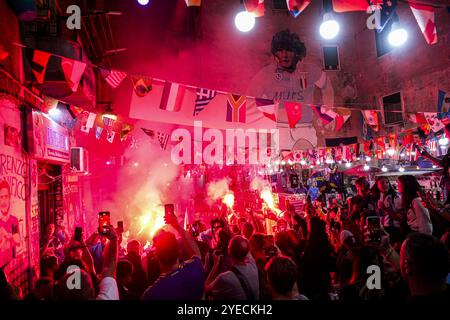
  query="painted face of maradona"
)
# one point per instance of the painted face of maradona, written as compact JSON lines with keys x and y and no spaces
{"x":4,"y":201}
{"x":285,"y":58}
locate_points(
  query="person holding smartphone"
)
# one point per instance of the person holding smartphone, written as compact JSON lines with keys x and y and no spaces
{"x":178,"y":280}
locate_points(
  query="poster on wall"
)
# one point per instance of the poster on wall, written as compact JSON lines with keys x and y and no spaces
{"x":13,"y":189}
{"x":47,"y":139}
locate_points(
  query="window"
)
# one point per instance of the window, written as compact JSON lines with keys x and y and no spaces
{"x":331,"y":58}
{"x":279,"y":5}
{"x":392,"y":102}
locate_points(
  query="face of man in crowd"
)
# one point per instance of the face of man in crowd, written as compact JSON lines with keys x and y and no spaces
{"x":4,"y":201}
{"x":285,"y":58}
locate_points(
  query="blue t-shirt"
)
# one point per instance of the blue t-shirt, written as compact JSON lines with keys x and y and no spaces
{"x":313,"y":192}
{"x":185,"y":283}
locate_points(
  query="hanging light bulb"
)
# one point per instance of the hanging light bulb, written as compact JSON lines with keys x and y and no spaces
{"x":384,"y":169}
{"x":329,"y":28}
{"x":401,"y":169}
{"x":318,"y":162}
{"x":366,"y":167}
{"x":302,"y":162}
{"x":348,"y":164}
{"x":244,"y":21}
{"x":398,"y":35}
{"x":390,"y":152}
{"x":368,"y":159}
{"x":109,"y":113}
{"x":311,"y":166}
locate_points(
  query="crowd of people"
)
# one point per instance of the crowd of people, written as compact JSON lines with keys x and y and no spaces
{"x":318,"y":254}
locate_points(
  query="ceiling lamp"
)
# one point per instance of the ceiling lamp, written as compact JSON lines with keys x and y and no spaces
{"x":398,"y":35}
{"x":109,"y":113}
{"x":244,"y":21}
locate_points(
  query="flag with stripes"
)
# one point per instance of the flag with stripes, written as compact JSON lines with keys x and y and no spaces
{"x":113,"y":77}
{"x":108,"y":122}
{"x":204,"y":96}
{"x":110,"y":137}
{"x":267,"y":107}
{"x":39,"y":64}
{"x":172,"y":97}
{"x":163,"y":139}
{"x":327,"y":116}
{"x":236,"y":108}
{"x":303,"y":82}
{"x":98,"y":132}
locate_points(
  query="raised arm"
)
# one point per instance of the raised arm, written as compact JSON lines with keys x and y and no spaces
{"x":188,"y":241}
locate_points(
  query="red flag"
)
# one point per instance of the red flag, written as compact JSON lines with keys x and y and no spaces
{"x":255,"y":6}
{"x":293,"y":112}
{"x":380,"y":142}
{"x":368,"y":147}
{"x":352,"y":5}
{"x":172,"y":97}
{"x":296,"y":7}
{"x":39,"y":64}
{"x":425,"y":19}
{"x":73,"y":71}
{"x":418,"y":118}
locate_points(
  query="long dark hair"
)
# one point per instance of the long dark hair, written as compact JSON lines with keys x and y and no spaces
{"x":318,"y":246}
{"x":411,"y":190}
{"x":375,"y":191}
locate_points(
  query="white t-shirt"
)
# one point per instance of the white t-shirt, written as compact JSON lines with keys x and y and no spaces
{"x":418,"y":216}
{"x":108,"y":289}
{"x":274,"y":83}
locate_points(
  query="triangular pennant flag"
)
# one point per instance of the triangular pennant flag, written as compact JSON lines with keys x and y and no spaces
{"x":371,"y":118}
{"x":98,"y":132}
{"x":91,"y":120}
{"x":203,"y":97}
{"x":296,"y":7}
{"x":255,"y":6}
{"x":388,"y":11}
{"x":417,"y":118}
{"x":108,"y":122}
{"x":425,"y":19}
{"x":73,"y":72}
{"x":392,"y":138}
{"x":75,"y":111}
{"x":324,"y":114}
{"x":341,"y":119}
{"x":148,"y":132}
{"x":432,"y":119}
{"x":380,"y":142}
{"x":443,"y":107}
{"x":110,"y":136}
{"x":293,"y":112}
{"x":125,"y":131}
{"x":39,"y":64}
{"x":193,"y":3}
{"x":236,"y":108}
{"x":267,"y":107}
{"x":142,"y":86}
{"x":172,"y":97}
{"x":163,"y":139}
{"x":113,"y":77}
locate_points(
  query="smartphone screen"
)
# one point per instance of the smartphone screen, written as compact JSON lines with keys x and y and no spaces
{"x":169,"y":209}
{"x":78,"y":233}
{"x":374,"y":226}
{"x":104,"y":221}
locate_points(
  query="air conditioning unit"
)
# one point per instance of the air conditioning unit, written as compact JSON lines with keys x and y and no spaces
{"x":79,"y":160}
